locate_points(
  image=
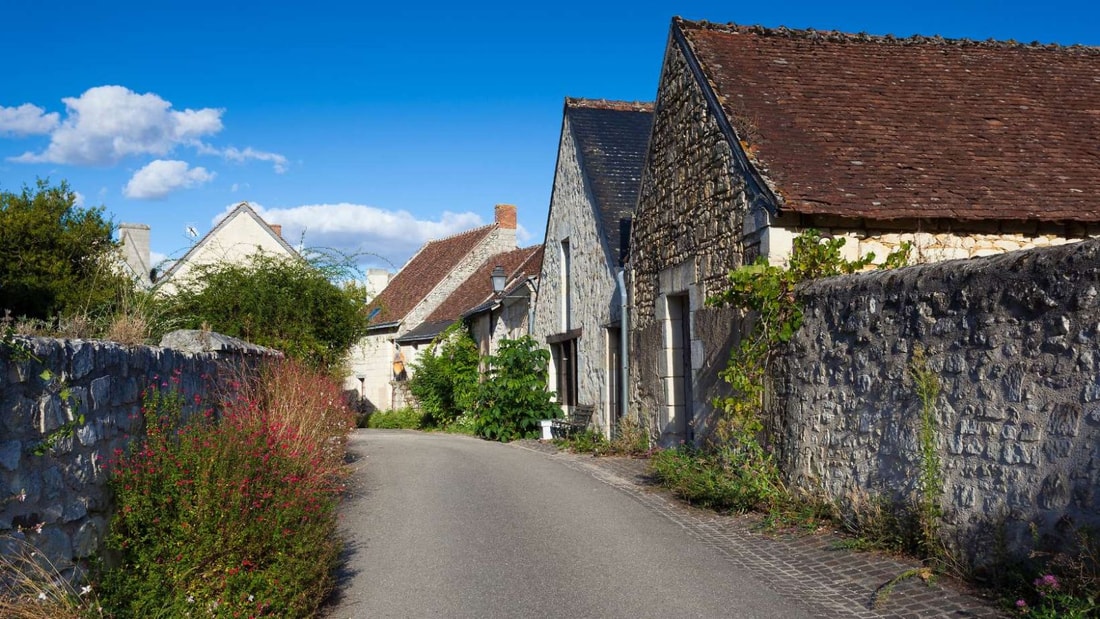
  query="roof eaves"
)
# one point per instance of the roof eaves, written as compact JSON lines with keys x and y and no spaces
{"x":762,"y":187}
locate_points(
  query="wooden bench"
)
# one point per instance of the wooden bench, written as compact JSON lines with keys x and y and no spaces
{"x":578,"y":421}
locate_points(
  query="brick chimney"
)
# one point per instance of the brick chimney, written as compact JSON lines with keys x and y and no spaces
{"x":506,"y":216}
{"x":277,"y":229}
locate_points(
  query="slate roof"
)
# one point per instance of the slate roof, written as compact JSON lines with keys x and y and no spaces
{"x":519,"y":264}
{"x":612,"y":138}
{"x":423,"y":272}
{"x":925,"y":127}
{"x":425,"y":332}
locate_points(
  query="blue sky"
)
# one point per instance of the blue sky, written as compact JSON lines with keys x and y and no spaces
{"x":361,"y":126}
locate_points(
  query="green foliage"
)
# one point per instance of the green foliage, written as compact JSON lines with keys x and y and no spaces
{"x":55,"y":257}
{"x":588,"y":441}
{"x":227,"y":518}
{"x":733,"y":477}
{"x":512,"y":397}
{"x":397,"y":419}
{"x":630,"y":439}
{"x":282,"y":303}
{"x":445,"y":377}
{"x":1054,"y":599}
{"x":767,"y":294}
{"x":926,"y":384}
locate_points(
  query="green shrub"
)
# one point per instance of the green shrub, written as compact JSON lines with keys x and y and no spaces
{"x":445,"y":378}
{"x":288,"y":304}
{"x":512,"y":398}
{"x":465,"y":423}
{"x":588,"y":441}
{"x":724,"y":478}
{"x":397,"y":419}
{"x":229,"y":517}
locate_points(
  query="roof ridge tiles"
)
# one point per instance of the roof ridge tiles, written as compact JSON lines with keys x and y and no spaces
{"x":458,"y":234}
{"x":609,"y":104}
{"x":837,"y":36}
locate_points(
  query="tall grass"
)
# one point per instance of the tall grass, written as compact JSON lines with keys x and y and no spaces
{"x":31,"y":587}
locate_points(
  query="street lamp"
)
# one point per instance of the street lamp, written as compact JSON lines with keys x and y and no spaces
{"x":499,"y":278}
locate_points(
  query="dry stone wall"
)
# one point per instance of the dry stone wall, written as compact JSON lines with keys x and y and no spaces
{"x":58,"y":501}
{"x":1015,"y":341}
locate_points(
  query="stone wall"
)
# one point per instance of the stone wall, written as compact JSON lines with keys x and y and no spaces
{"x":594,"y":298}
{"x":687,"y":236}
{"x":931,"y":240}
{"x":1014,"y":339}
{"x":59,"y":501}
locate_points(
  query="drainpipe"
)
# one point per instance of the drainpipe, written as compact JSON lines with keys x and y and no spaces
{"x":532,"y":296}
{"x":624,"y":334}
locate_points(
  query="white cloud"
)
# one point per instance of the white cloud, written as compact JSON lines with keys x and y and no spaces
{"x":108,"y":123}
{"x":356,"y":228}
{"x":78,"y":199}
{"x":235,"y":187}
{"x":162,"y":177}
{"x":233,"y":153}
{"x":27,"y":119}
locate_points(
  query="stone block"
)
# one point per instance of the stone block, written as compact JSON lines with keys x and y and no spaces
{"x":100,"y":393}
{"x":88,"y":538}
{"x":10,"y":454}
{"x":81,"y":358}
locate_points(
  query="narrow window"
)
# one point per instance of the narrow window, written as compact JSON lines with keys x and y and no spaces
{"x":566,"y":286}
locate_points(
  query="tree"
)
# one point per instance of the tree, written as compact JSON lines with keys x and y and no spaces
{"x":513,"y":398}
{"x":445,"y":378}
{"x":283,"y":303}
{"x":56,"y":258}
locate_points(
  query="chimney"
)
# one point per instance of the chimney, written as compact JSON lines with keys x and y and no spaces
{"x":506,"y":216}
{"x":277,"y":229}
{"x":135,"y":250}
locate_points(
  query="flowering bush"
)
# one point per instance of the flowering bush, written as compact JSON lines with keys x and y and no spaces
{"x":1054,"y":601}
{"x":230,"y":517}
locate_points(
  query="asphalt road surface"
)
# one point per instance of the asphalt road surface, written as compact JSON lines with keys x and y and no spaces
{"x":451,"y":526}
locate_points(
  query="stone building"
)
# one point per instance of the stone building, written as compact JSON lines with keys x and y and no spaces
{"x":491,"y":315}
{"x":578,"y":310}
{"x":964,"y":148}
{"x":238,"y":236}
{"x":410,"y":297}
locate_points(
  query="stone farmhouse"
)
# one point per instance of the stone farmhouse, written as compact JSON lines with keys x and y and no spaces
{"x":490,"y":315}
{"x":578,"y":313}
{"x":378,"y":363}
{"x":964,"y":148}
{"x":239,"y":235}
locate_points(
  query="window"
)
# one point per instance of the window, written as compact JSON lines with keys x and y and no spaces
{"x":566,"y":285}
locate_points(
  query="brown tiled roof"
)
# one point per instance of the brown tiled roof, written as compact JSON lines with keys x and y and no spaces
{"x":478,"y":288}
{"x":887,"y":128}
{"x":605,"y":104}
{"x":423,"y":272}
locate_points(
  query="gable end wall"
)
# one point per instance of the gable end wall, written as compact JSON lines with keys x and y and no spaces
{"x":595,"y":299}
{"x":687,"y":236}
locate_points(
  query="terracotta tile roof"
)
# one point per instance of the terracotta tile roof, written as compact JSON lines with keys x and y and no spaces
{"x":886,"y":128}
{"x":612,"y":137}
{"x":423,"y":272}
{"x":519,"y":264}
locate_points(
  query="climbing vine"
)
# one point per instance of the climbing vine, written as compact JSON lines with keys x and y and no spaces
{"x":766,"y":295}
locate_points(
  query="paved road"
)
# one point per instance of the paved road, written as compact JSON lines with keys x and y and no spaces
{"x":450,"y":526}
